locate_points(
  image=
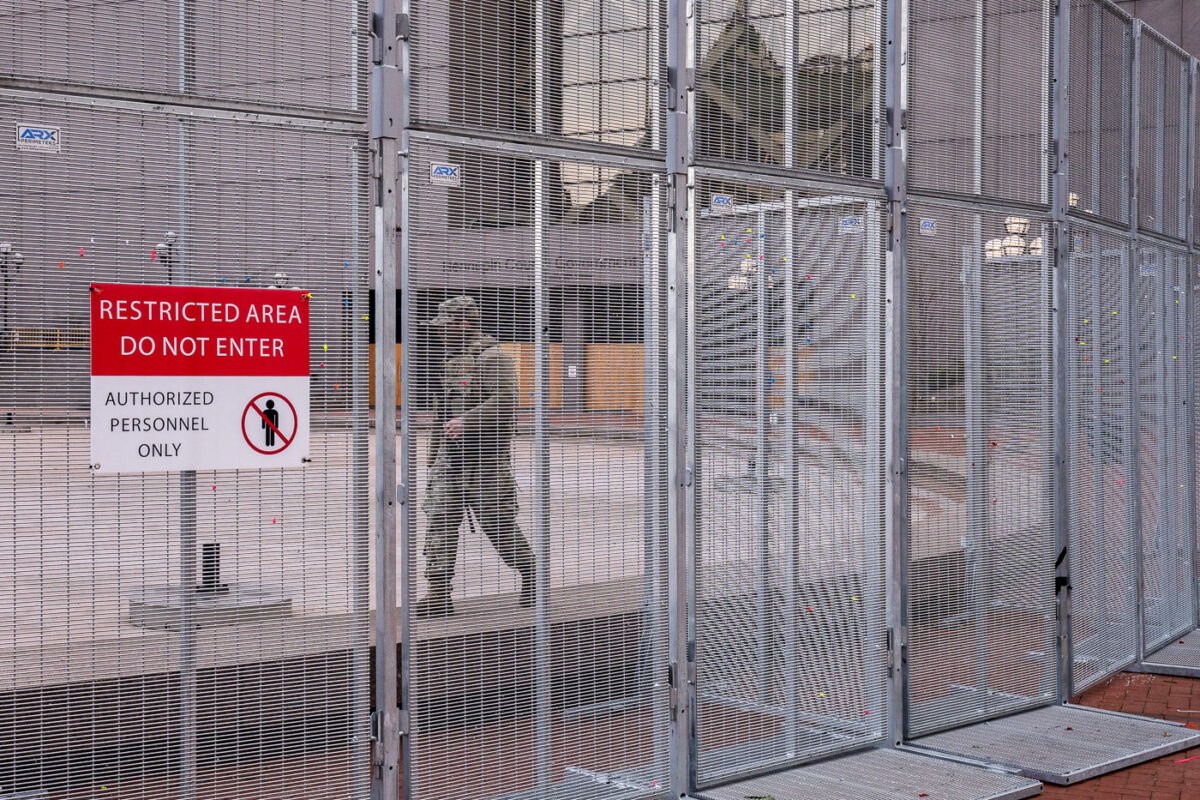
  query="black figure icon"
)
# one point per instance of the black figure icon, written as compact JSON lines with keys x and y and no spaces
{"x":270,"y":422}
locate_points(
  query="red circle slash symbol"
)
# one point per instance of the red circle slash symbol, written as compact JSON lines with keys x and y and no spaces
{"x":268,"y":424}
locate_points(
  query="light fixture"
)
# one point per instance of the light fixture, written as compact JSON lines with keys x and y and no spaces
{"x":749,"y":266}
{"x":1073,"y":199}
{"x":1035,"y":247}
{"x":1017,"y":226}
{"x":739,"y":282}
{"x":994,"y":248}
{"x":1014,"y":245}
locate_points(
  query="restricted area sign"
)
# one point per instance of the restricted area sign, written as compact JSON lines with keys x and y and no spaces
{"x":187,"y":377}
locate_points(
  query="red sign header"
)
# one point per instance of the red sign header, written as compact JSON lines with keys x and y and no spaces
{"x":196,"y":330}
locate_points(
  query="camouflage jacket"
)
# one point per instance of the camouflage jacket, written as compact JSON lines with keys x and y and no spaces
{"x":479,"y":384}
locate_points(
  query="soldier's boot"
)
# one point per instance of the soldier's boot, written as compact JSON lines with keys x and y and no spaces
{"x":437,"y":603}
{"x":528,"y":587}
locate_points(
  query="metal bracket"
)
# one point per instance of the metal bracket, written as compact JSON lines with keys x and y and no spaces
{"x":376,"y":751}
{"x":403,"y":716}
{"x":403,"y":27}
{"x":385,"y":83}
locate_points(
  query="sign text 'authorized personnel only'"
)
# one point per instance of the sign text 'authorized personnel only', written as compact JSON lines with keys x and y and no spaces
{"x":188,"y":377}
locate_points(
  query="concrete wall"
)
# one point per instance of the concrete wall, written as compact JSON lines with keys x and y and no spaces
{"x":1178,"y":20}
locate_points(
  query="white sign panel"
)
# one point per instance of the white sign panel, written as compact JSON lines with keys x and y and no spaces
{"x":39,"y":138}
{"x":196,"y":378}
{"x":445,"y":174}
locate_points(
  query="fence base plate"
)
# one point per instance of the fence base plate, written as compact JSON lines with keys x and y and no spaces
{"x":1180,"y":657}
{"x":880,"y":774}
{"x":1062,"y":744}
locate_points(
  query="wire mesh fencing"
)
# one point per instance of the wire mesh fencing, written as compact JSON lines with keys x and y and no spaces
{"x":1100,"y":441}
{"x":728,"y":435}
{"x":980,"y":607}
{"x":538,"y":604}
{"x":1167,"y":542}
{"x":1163,"y":120}
{"x":1100,"y":107}
{"x":789,"y":566}
{"x":202,"y":633}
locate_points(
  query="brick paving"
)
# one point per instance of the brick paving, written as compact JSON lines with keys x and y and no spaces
{"x":1159,"y":696}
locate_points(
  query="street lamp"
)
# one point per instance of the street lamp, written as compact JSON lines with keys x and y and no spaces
{"x":1014,"y":244}
{"x":167,"y":249}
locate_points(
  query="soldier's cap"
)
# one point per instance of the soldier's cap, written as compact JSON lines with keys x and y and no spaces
{"x":456,"y":309}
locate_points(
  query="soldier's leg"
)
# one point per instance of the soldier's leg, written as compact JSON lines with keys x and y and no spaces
{"x":493,"y":498}
{"x":444,"y":504}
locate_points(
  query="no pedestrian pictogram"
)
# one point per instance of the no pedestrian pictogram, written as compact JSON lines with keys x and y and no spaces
{"x":269,"y":423}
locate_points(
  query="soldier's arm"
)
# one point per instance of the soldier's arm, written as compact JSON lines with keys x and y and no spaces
{"x":498,"y":374}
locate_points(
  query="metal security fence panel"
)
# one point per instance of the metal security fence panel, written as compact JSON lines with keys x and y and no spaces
{"x":1194,"y":366}
{"x":172,"y":634}
{"x":537,"y":604}
{"x":296,"y":54}
{"x":591,"y":71}
{"x":980,"y":611}
{"x":979,"y":116}
{"x":790,"y":83}
{"x":1100,"y":456}
{"x":1162,"y":151}
{"x":789,"y":584}
{"x":1167,"y":542}
{"x":1100,"y":109}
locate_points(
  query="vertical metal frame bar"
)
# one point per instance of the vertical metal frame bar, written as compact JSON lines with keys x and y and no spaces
{"x":896,"y":399}
{"x":187,"y":478}
{"x":1060,"y":80}
{"x":360,"y":367}
{"x":541,"y":466}
{"x":389,"y":121}
{"x":656,"y":580}
{"x":1163,"y":324}
{"x":762,"y":465}
{"x":978,"y":534}
{"x":680,"y":387}
{"x":541,"y":472}
{"x":1190,"y":284}
{"x":791,"y":488}
{"x":1135,"y":468}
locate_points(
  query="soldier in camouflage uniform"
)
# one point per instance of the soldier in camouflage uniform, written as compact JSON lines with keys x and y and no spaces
{"x":469,"y":460}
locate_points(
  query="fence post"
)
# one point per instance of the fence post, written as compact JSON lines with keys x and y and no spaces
{"x":1190,"y":285}
{"x":1062,"y":259}
{"x":896,"y":398}
{"x":385,"y":130}
{"x":680,"y":424}
{"x":1135,"y":471}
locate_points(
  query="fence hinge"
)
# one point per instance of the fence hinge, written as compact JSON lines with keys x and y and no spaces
{"x":403,"y":721}
{"x":403,"y":27}
{"x":376,"y":739}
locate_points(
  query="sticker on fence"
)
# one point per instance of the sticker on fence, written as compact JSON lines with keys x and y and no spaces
{"x":720,"y":204}
{"x":187,"y":377}
{"x":928,"y":227}
{"x":39,"y":139}
{"x":445,"y":174}
{"x":850,"y":225}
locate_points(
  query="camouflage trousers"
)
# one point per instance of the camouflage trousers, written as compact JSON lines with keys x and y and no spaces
{"x":487,"y":488}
